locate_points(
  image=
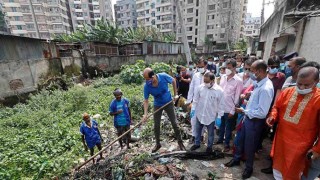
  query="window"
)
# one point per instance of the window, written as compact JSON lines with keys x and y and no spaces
{"x":158,"y":9}
{"x":153,"y":14}
{"x":14,"y":9}
{"x":190,"y":10}
{"x":147,"y":3}
{"x":189,"y":19}
{"x":196,"y":22}
{"x":197,"y":3}
{"x":225,"y":4}
{"x":147,"y":11}
{"x":197,"y":12}
{"x":11,"y":0}
{"x":30,"y":26}
{"x":195,"y":40}
{"x":147,"y":19}
{"x":223,"y":25}
{"x":210,"y":36}
{"x":254,"y":31}
{"x":190,"y":1}
{"x":212,"y":7}
{"x":19,"y":27}
{"x":222,"y":35}
{"x":189,"y":37}
{"x":158,"y":26}
{"x":158,"y":17}
{"x":189,"y":28}
{"x":16,"y":18}
{"x":196,"y":32}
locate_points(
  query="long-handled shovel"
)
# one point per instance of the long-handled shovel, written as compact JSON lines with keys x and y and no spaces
{"x":103,"y":149}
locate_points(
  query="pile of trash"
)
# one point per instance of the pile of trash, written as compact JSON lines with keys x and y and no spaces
{"x":139,"y":163}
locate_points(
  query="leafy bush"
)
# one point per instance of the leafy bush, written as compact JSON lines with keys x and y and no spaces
{"x":161,"y":67}
{"x":133,"y":73}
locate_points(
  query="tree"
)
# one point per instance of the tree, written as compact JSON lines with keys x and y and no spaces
{"x":2,"y":21}
{"x":208,"y":44}
{"x":241,"y":45}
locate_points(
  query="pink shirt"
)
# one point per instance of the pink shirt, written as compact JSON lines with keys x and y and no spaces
{"x":232,"y":90}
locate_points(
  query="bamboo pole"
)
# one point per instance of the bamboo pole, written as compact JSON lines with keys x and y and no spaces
{"x":103,"y":149}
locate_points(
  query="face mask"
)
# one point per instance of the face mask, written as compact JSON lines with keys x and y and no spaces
{"x":273,"y":71}
{"x":282,"y":66}
{"x":208,"y":85}
{"x":228,"y":72}
{"x":191,"y":67}
{"x":247,"y":73}
{"x":149,"y":82}
{"x":304,"y":91}
{"x":318,"y":85}
{"x":210,"y":63}
{"x":286,"y":63}
{"x":201,"y":70}
{"x":253,"y":76}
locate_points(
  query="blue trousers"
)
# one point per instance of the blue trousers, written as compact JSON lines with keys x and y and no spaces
{"x":226,"y":129}
{"x":249,"y":137}
{"x":314,"y":170}
{"x":199,"y":128}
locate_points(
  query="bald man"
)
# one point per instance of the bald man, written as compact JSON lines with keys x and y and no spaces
{"x":294,"y":66}
{"x":297,"y":111}
{"x":255,"y":114}
{"x":157,"y":86}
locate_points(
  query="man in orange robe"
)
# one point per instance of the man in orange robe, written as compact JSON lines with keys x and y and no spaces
{"x":297,"y":110}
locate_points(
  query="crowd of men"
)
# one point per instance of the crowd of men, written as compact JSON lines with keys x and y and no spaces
{"x":245,"y":96}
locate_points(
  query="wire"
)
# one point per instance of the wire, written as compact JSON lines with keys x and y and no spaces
{"x":298,"y":21}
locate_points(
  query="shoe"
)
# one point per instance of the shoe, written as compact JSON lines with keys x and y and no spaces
{"x":181,"y":146}
{"x":246,"y":174}
{"x":191,"y":140}
{"x":268,"y":170}
{"x":218,"y":142}
{"x":209,"y":150}
{"x":194,"y":147}
{"x":156,"y":148}
{"x":232,"y":163}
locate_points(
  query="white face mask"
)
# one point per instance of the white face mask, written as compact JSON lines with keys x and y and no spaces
{"x":208,"y":85}
{"x":228,"y":72}
{"x":210,"y":63}
{"x":201,"y":70}
{"x":303,"y":91}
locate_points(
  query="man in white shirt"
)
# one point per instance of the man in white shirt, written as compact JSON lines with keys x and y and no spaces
{"x":208,"y":104}
{"x":195,"y":83}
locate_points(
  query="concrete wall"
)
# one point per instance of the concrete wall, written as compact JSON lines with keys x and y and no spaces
{"x":22,"y":76}
{"x":14,"y":48}
{"x":114,"y":63}
{"x":310,"y":43}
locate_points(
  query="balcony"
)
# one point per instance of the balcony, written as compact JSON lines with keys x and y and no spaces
{"x":14,"y":14}
{"x":18,"y":31}
{"x":10,"y":4}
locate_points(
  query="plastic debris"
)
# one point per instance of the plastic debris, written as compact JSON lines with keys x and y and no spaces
{"x":165,"y":160}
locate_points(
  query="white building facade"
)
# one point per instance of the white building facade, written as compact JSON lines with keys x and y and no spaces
{"x":126,"y":13}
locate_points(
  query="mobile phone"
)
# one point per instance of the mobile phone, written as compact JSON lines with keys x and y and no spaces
{"x":309,"y":155}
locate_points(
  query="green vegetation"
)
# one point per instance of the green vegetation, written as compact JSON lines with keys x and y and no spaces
{"x":105,"y":31}
{"x":41,"y":139}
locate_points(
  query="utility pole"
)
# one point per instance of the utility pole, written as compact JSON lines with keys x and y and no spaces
{"x":34,"y":19}
{"x":183,"y":31}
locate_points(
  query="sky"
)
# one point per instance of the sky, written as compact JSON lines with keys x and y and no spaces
{"x":254,"y":7}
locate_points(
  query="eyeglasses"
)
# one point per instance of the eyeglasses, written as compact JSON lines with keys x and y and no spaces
{"x":247,"y":69}
{"x":274,"y":67}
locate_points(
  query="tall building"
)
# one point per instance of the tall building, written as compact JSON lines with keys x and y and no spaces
{"x":89,"y":11}
{"x":160,"y":14}
{"x":36,"y":18}
{"x":217,"y":22}
{"x":126,"y":13}
{"x":252,"y":25}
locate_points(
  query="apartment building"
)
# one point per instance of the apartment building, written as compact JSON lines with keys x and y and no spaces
{"x":160,"y":14}
{"x":126,"y":13}
{"x":252,"y":25}
{"x":37,"y":18}
{"x":218,"y":21}
{"x":89,"y":11}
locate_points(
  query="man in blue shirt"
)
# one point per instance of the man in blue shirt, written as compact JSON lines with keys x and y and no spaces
{"x":255,"y":114}
{"x":157,"y":86}
{"x":119,"y":108}
{"x":90,"y":134}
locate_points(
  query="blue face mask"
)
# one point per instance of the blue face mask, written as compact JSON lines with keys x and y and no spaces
{"x":253,"y":76}
{"x":149,"y":82}
{"x":282,"y":66}
{"x":318,"y":85}
{"x":273,"y":71}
